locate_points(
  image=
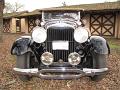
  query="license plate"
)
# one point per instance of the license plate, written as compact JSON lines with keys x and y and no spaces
{"x":60,"y":45}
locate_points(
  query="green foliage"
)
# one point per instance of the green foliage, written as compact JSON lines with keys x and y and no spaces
{"x":113,"y":46}
{"x":114,"y":43}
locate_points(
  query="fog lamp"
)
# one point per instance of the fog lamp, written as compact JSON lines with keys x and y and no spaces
{"x":74,"y":58}
{"x":47,"y":58}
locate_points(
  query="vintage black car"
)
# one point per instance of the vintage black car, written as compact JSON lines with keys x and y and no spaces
{"x":61,"y":48}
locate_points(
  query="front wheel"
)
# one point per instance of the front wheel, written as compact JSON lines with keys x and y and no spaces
{"x":99,"y":61}
{"x":23,"y":62}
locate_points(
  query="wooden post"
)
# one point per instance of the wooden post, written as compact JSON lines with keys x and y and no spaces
{"x":24,"y":25}
{"x":117,"y":26}
{"x":13,"y":25}
{"x":1,"y":18}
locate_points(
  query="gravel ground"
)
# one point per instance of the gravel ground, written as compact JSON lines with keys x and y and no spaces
{"x":10,"y":81}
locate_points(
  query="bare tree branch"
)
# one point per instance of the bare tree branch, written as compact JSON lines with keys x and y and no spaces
{"x":13,"y":7}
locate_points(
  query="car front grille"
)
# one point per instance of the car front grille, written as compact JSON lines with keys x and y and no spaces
{"x":65,"y":34}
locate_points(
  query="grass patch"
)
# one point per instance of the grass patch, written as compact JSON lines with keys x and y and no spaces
{"x":113,"y":46}
{"x":114,"y":43}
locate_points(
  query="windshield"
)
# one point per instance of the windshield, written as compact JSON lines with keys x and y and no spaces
{"x":61,"y":15}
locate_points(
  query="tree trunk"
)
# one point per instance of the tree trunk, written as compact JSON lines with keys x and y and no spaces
{"x":1,"y":18}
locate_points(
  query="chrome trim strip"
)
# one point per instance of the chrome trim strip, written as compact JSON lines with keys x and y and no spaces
{"x":33,"y":70}
{"x":60,"y":24}
{"x":79,"y":72}
{"x":89,"y":70}
{"x":70,"y":23}
{"x":62,"y":70}
{"x":60,"y":76}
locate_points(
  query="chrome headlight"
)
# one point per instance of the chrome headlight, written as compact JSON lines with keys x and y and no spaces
{"x":39,"y":34}
{"x":81,"y":35}
{"x":74,"y":58}
{"x":47,"y":58}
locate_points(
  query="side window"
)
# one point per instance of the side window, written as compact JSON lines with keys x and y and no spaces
{"x":18,"y":25}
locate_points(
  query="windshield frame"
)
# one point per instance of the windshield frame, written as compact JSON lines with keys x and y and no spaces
{"x":63,"y":12}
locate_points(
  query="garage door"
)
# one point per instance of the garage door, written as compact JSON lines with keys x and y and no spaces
{"x":102,"y":24}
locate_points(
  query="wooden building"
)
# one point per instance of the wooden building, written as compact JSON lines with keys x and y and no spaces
{"x":1,"y":17}
{"x":102,"y":19}
{"x":11,"y":24}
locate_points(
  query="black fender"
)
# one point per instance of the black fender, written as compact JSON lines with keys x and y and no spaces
{"x":21,"y":46}
{"x":100,"y":45}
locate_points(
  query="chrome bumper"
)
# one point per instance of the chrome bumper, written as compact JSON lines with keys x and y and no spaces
{"x":64,"y":73}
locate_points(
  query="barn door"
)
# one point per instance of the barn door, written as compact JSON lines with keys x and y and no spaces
{"x":31,"y":22}
{"x":102,"y":24}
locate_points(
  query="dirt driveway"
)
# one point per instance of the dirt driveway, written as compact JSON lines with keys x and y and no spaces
{"x":10,"y":81}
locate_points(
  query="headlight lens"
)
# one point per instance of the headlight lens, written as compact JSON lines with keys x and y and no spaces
{"x":39,"y":34}
{"x":81,"y":35}
{"x":47,"y":58}
{"x":74,"y":58}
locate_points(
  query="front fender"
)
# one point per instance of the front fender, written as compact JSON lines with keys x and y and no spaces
{"x":21,"y":46}
{"x":100,"y":45}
